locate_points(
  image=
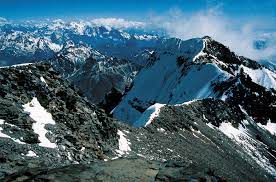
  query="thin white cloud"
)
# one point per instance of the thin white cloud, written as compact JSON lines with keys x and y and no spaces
{"x":239,"y":37}
{"x":3,"y":20}
{"x":118,"y":23}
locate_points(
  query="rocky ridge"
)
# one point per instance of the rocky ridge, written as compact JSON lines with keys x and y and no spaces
{"x":35,"y":98}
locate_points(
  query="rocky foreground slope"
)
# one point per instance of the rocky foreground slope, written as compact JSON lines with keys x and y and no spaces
{"x":208,"y":133}
{"x":44,"y":120}
{"x":49,"y":132}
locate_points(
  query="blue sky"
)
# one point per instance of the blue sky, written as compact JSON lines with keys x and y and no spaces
{"x":133,"y":9}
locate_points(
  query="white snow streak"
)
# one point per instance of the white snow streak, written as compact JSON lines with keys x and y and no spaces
{"x":3,"y":135}
{"x":201,"y":53}
{"x":17,"y":65}
{"x":187,"y":103}
{"x":43,"y":80}
{"x":148,"y":116}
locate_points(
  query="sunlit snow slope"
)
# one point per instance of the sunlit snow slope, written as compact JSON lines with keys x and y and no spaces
{"x":180,"y":71}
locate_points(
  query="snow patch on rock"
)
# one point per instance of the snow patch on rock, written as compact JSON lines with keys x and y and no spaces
{"x":161,"y":129}
{"x":3,"y":135}
{"x":41,"y":118}
{"x":124,"y":144}
{"x":31,"y":154}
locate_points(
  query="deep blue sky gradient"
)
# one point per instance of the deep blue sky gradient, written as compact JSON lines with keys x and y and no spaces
{"x":132,"y":9}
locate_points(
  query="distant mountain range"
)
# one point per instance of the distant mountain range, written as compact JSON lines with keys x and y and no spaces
{"x":36,"y":41}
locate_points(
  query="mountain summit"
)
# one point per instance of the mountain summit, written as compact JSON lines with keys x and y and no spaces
{"x":180,"y":71}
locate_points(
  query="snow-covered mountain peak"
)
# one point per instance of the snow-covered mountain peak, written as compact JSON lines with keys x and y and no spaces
{"x":179,"y":71}
{"x":75,"y":53}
